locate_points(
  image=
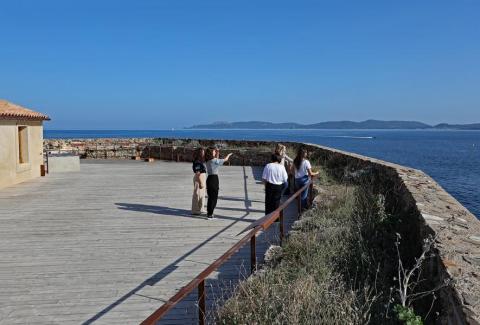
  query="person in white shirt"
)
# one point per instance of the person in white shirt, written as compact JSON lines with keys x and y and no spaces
{"x":274,"y":176}
{"x":303,"y":174}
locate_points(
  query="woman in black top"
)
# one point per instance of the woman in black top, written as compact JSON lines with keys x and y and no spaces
{"x":199,"y":182}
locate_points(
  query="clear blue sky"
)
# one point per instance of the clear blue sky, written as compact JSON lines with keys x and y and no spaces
{"x":153,"y":64}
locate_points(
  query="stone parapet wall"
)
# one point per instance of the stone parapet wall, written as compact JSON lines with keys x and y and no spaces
{"x":98,"y":148}
{"x":253,"y":153}
{"x":423,"y":206}
{"x":426,"y":209}
{"x":240,"y":157}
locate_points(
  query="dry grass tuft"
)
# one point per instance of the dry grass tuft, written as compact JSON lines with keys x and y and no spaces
{"x":328,"y":270}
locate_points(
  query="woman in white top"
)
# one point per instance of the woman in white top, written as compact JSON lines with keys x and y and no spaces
{"x":303,"y":173}
{"x":274,"y":176}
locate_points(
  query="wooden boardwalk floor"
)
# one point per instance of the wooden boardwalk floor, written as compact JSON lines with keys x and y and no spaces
{"x":111,"y":243}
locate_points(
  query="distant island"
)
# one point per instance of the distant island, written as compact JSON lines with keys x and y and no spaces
{"x":344,"y":125}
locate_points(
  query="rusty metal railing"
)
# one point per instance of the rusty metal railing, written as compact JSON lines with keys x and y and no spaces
{"x":253,"y":229}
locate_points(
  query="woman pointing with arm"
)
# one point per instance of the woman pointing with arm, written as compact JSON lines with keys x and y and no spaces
{"x":213,"y":184}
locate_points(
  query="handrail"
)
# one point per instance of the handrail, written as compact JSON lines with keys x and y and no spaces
{"x":199,"y":281}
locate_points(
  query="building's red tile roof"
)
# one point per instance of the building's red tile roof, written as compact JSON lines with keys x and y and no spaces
{"x":12,"y":111}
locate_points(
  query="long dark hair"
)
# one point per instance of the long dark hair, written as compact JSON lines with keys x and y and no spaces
{"x":301,"y":154}
{"x":209,"y":153}
{"x":197,"y":155}
{"x":276,"y":158}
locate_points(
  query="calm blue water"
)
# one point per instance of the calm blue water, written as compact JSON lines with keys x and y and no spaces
{"x":452,"y":158}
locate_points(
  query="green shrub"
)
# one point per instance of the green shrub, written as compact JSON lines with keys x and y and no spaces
{"x":407,"y":315}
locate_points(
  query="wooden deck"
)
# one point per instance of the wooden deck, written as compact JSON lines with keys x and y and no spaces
{"x":111,"y":243}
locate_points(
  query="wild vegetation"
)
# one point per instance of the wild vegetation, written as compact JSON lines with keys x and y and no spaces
{"x":338,"y":266}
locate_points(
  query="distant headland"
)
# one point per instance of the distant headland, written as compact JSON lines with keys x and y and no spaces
{"x":345,"y":125}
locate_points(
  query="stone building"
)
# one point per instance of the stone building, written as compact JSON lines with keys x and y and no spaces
{"x":21,"y":143}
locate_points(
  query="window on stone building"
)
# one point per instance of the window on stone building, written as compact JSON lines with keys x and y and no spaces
{"x":22,"y":144}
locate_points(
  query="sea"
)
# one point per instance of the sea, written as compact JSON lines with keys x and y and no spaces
{"x":451,"y":157}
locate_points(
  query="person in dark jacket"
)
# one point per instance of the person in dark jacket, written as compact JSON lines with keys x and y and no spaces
{"x":199,"y":182}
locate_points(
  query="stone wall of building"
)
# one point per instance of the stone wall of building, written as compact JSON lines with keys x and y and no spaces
{"x":423,"y":207}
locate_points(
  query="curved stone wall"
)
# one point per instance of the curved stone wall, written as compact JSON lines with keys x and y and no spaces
{"x":423,"y":206}
{"x":426,"y":208}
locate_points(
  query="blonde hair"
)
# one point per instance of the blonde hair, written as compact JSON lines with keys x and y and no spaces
{"x":280,"y":149}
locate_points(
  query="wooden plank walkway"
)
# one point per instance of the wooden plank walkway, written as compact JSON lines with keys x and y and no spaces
{"x":110,"y":244}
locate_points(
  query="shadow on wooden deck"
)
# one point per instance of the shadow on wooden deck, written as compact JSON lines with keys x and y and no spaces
{"x":228,"y":274}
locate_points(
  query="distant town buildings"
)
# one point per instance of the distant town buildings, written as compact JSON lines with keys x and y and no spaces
{"x":21,"y":143}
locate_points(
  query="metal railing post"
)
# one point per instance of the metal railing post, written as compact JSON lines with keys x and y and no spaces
{"x":46,"y":154}
{"x":310,"y":192}
{"x":253,"y":254}
{"x":282,"y":228}
{"x":201,"y":303}
{"x":299,"y":205}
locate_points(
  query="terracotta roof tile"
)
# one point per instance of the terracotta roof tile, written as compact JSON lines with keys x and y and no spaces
{"x":12,"y":111}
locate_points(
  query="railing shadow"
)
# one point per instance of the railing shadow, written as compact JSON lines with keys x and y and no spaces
{"x":231,"y":198}
{"x":221,"y":285}
{"x":257,"y":174}
{"x":167,"y":211}
{"x":262,"y":226}
{"x":155,"y":278}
